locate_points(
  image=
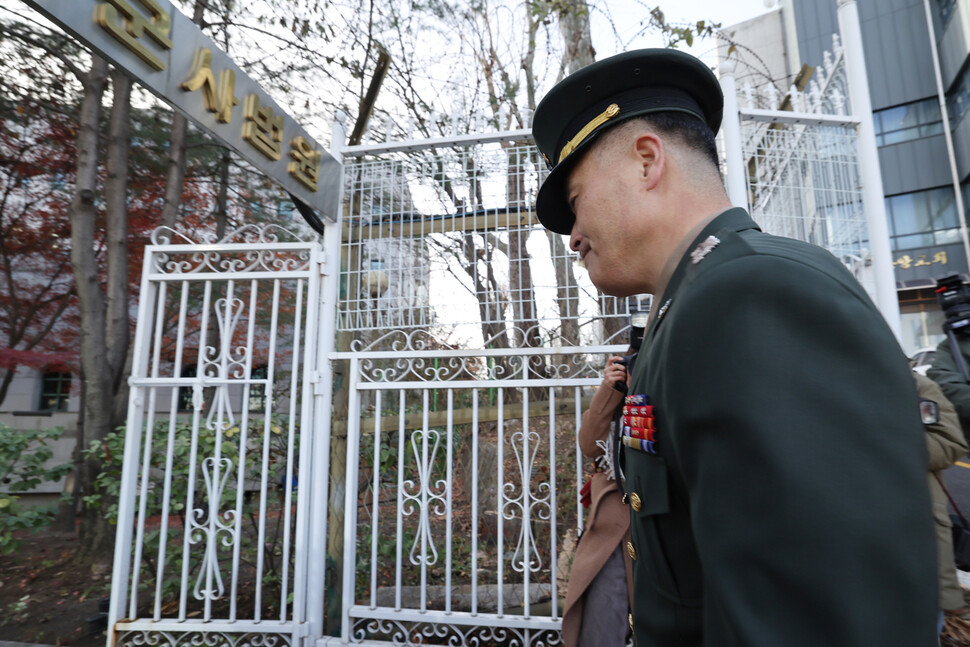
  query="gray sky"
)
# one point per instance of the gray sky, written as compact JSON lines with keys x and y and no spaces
{"x":628,"y":16}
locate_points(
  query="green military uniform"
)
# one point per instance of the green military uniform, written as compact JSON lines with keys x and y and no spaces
{"x":945,"y":372}
{"x":776,"y":470}
{"x":786,"y":477}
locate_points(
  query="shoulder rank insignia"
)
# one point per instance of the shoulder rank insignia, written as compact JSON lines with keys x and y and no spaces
{"x":703,"y":249}
{"x":639,"y":426}
{"x":663,"y":309}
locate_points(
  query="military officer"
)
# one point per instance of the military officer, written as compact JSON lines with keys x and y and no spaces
{"x":774,"y":459}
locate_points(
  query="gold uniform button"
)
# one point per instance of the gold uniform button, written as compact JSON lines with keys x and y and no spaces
{"x":635,"y":502}
{"x":630,"y":549}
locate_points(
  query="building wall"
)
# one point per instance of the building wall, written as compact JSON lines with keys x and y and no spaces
{"x":914,"y":159}
{"x":894,"y":36}
{"x":901,"y":175}
{"x":766,"y":63}
{"x":953,"y":44}
{"x":20,"y":410}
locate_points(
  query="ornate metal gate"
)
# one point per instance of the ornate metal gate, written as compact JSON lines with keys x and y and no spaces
{"x":465,"y":346}
{"x":214,"y":505}
{"x":472,"y":340}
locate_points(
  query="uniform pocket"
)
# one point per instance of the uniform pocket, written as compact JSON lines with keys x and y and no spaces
{"x":648,"y":490}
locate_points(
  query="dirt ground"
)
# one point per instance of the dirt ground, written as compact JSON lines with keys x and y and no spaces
{"x":45,"y":598}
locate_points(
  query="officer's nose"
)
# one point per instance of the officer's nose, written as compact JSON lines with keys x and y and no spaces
{"x":575,"y":239}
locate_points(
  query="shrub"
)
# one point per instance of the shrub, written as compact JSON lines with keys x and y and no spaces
{"x":23,"y":466}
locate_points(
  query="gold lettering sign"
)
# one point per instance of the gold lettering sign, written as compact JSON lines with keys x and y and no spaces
{"x":134,"y":24}
{"x":305,"y":166}
{"x":218,"y":99}
{"x":263,"y":129}
{"x":907,"y":262}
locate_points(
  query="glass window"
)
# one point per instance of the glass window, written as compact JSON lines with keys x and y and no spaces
{"x":958,"y":100}
{"x":257,"y":392}
{"x":903,"y":214}
{"x":907,"y":122}
{"x":943,"y":209}
{"x":897,"y":136}
{"x":909,"y":242}
{"x":947,"y":236}
{"x":898,"y":118}
{"x":946,"y":8}
{"x":185,"y":392}
{"x":55,"y":389}
{"x":923,"y":218}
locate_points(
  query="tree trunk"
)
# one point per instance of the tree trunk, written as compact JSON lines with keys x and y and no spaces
{"x":521,"y":292}
{"x":116,"y":222}
{"x":222,"y":201}
{"x":82,"y":213}
{"x":5,"y":382}
{"x":104,"y":315}
{"x":175,"y":176}
{"x":574,"y":28}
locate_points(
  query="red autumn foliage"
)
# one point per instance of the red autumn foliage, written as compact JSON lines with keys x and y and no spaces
{"x":39,"y":320}
{"x":38,"y":317}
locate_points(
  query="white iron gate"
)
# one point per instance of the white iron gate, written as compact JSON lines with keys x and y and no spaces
{"x":462,"y":492}
{"x":213,"y":504}
{"x":473,"y":340}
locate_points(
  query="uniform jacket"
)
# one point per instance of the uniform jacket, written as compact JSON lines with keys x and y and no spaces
{"x":787,"y":503}
{"x":945,"y":372}
{"x":608,"y":520}
{"x":946,"y":445}
{"x":945,"y":442}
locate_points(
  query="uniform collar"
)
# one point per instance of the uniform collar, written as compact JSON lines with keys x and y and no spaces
{"x":733,"y":219}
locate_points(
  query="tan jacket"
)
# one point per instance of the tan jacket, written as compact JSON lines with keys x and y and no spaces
{"x":608,"y":520}
{"x":946,"y":445}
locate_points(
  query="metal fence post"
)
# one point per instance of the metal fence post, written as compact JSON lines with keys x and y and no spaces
{"x":737,"y":185}
{"x":873,"y":199}
{"x":323,"y":401}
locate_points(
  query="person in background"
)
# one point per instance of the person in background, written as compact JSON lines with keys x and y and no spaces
{"x":601,"y":579}
{"x":947,"y":371}
{"x":946,"y":445}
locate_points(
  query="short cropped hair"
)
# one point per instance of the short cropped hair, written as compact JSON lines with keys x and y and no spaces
{"x":690,"y":130}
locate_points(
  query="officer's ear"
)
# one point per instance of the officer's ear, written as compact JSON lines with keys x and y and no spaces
{"x":652,"y":157}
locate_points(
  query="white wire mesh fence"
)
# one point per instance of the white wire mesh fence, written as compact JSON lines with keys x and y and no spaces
{"x":445,"y":239}
{"x":802,"y":165}
{"x":805,"y":185}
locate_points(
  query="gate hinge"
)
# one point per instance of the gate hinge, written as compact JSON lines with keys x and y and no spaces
{"x":316,"y":379}
{"x":322,"y":263}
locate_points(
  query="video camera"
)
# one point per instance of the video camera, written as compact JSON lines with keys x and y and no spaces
{"x":638,"y":323}
{"x":953,"y":296}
